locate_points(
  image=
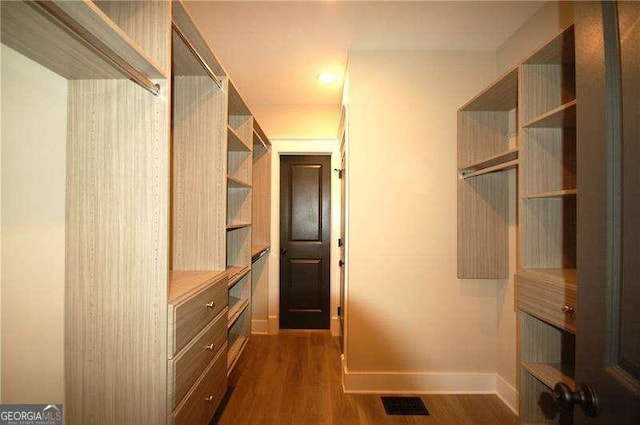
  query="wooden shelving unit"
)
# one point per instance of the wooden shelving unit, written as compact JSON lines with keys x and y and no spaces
{"x":537,"y":100}
{"x":261,"y":224}
{"x":547,"y":275}
{"x":487,"y":149}
{"x":158,"y":207}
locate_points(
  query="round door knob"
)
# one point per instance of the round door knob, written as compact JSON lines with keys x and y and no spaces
{"x":584,"y":396}
{"x":284,"y":251}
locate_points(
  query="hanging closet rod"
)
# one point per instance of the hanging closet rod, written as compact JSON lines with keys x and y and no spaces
{"x":91,"y":41}
{"x":260,"y":138}
{"x":193,"y":50}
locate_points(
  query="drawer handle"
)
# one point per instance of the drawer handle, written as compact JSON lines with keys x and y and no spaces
{"x":568,"y":310}
{"x":209,"y":399}
{"x":209,"y":347}
{"x":211,"y":304}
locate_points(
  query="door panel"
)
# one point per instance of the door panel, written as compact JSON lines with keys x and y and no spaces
{"x":305,"y":196}
{"x":608,"y":317}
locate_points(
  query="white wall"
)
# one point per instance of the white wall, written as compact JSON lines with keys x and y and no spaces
{"x":542,"y":27}
{"x":34,"y":118}
{"x":553,"y":17}
{"x":313,"y":122}
{"x":300,"y":147}
{"x":412,"y":325}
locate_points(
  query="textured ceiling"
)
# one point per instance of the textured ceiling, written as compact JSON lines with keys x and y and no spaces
{"x":274,"y":50}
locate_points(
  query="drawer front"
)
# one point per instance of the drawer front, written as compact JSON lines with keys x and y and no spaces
{"x":203,"y":400}
{"x":191,"y":316}
{"x":187,"y":366}
{"x":550,"y":301}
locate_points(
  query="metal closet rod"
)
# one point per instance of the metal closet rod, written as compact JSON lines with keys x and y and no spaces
{"x":195,"y":53}
{"x":260,"y":138}
{"x":91,"y":41}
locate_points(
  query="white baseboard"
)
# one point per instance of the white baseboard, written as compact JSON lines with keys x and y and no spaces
{"x":418,"y":383}
{"x":507,"y":393}
{"x":260,"y":327}
{"x":274,"y":325}
{"x":335,"y":326}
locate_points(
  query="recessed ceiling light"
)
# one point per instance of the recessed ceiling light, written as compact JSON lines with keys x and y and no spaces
{"x":328,"y":77}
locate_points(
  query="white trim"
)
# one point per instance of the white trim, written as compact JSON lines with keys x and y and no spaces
{"x":259,"y":327}
{"x":274,"y":325}
{"x":418,"y":382}
{"x":507,"y":393}
{"x":335,"y":326}
{"x":302,"y":146}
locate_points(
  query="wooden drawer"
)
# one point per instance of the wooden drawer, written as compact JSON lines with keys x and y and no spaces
{"x":549,"y":301}
{"x":188,"y":317}
{"x":187,"y":366}
{"x":202,"y":401}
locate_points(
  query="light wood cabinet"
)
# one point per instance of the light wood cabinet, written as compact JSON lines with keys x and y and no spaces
{"x":547,"y":276}
{"x":158,"y":207}
{"x":487,"y":150}
{"x":538,"y":98}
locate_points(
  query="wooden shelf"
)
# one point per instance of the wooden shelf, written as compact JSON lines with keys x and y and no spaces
{"x":557,"y":51}
{"x":235,"y":142}
{"x":258,"y":251}
{"x":236,"y":348}
{"x":235,"y":226}
{"x":31,"y":29}
{"x":549,"y":374}
{"x":551,"y":275}
{"x":235,"y":274}
{"x":553,"y":194}
{"x":496,"y":168}
{"x":237,"y":105}
{"x":564,"y":116}
{"x":237,"y":183}
{"x":183,"y":285}
{"x":237,"y":306}
{"x":502,"y":95}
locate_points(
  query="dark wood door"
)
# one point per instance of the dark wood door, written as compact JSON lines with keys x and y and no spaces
{"x":305,"y":211}
{"x":608,"y":314}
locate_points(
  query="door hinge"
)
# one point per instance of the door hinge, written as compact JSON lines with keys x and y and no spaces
{"x":341,"y":263}
{"x":339,"y":311}
{"x":339,"y":241}
{"x":339,"y":170}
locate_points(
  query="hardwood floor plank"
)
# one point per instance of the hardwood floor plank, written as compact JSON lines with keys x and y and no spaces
{"x":294,"y":379}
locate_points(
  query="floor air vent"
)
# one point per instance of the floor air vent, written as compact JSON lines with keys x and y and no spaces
{"x":412,"y":406}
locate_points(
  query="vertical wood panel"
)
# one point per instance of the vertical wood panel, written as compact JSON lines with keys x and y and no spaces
{"x":481,"y":134}
{"x":482,"y":227}
{"x":261,"y":190}
{"x":117,"y":255}
{"x":547,"y":160}
{"x":199,"y":171}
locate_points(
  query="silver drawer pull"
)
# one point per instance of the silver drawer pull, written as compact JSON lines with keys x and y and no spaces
{"x":209,"y":399}
{"x":211,"y":304}
{"x":209,"y":347}
{"x":568,"y":310}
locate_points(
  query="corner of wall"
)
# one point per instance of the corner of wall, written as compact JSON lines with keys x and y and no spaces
{"x":552,"y":17}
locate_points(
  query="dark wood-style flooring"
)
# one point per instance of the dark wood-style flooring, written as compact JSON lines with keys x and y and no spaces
{"x":294,"y":378}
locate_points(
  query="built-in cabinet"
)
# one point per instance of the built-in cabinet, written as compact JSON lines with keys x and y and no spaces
{"x":537,"y":101}
{"x":161,"y":151}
